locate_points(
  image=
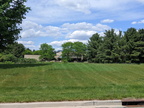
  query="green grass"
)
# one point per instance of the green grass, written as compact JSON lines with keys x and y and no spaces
{"x":70,"y":81}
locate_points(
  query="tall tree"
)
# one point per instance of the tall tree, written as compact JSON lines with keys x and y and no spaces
{"x":47,"y":52}
{"x":110,"y":46}
{"x":28,"y":51}
{"x":137,"y":55}
{"x":130,"y":37}
{"x":15,"y":49}
{"x":79,"y":49}
{"x":94,"y":48}
{"x":68,"y":51}
{"x":12,"y":12}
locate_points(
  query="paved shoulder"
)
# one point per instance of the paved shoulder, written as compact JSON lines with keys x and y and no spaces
{"x":67,"y":104}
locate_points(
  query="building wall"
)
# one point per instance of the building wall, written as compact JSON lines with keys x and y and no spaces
{"x":58,"y":55}
{"x":32,"y":57}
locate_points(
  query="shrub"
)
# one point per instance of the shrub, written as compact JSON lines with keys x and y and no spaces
{"x":8,"y":57}
{"x":26,"y":61}
{"x":65,"y":60}
{"x":8,"y":62}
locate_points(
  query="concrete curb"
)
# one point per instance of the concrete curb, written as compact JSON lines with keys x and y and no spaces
{"x":67,"y":104}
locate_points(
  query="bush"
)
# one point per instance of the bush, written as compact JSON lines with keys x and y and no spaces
{"x":8,"y":62}
{"x":26,"y":61}
{"x":65,"y":60}
{"x":8,"y":57}
{"x":1,"y":57}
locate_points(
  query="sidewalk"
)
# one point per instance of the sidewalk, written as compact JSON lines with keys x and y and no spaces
{"x":67,"y":104}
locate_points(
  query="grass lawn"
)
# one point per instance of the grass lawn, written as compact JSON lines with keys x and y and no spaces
{"x":70,"y":81}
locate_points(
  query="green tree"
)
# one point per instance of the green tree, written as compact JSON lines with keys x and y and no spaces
{"x":137,"y":55}
{"x":12,"y":12}
{"x":94,"y":44}
{"x":68,"y":51}
{"x":130,"y":37}
{"x":37,"y":52}
{"x":15,"y":49}
{"x":79,"y":49}
{"x":47,"y":52}
{"x":28,"y":51}
{"x":110,"y":46}
{"x":121,"y":50}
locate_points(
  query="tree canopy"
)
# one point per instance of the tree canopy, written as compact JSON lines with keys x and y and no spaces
{"x":47,"y":52}
{"x":74,"y":50}
{"x":117,"y":48}
{"x":12,"y":12}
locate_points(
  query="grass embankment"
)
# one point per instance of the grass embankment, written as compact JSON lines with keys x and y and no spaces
{"x":70,"y":81}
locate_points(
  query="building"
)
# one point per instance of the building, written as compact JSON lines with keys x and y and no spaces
{"x":57,"y":57}
{"x":32,"y":57}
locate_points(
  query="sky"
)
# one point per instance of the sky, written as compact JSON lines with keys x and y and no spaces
{"x":58,"y":21}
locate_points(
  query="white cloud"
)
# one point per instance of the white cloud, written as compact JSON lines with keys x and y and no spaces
{"x":81,"y":35}
{"x":26,"y":25}
{"x":138,"y":22}
{"x":107,"y":21}
{"x":29,"y":44}
{"x":81,"y":30}
{"x":26,"y":42}
{"x":101,"y":27}
{"x":31,"y":29}
{"x":142,"y":21}
{"x":78,"y":26}
{"x":142,"y":1}
{"x":86,"y":26}
{"x":78,"y":5}
{"x":102,"y":34}
{"x":55,"y":11}
{"x":57,"y":44}
{"x":48,"y":20}
{"x":134,"y":22}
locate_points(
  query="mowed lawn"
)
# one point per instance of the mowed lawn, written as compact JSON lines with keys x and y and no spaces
{"x":70,"y":81}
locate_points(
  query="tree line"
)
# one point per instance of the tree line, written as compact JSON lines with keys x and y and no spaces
{"x":15,"y":52}
{"x":121,"y":47}
{"x":127,"y":47}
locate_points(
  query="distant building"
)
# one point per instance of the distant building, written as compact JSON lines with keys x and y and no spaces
{"x":58,"y":55}
{"x":32,"y":57}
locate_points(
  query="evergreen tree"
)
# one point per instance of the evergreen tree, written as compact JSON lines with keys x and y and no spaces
{"x":130,"y":37}
{"x":94,"y":48}
{"x":110,"y":47}
{"x":138,"y":51}
{"x":116,"y":48}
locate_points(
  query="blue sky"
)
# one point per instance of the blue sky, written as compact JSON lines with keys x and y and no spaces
{"x":58,"y":21}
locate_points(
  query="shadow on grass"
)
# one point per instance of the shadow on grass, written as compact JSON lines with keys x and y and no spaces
{"x":9,"y":66}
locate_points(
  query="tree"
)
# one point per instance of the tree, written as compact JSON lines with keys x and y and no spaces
{"x":12,"y":12}
{"x":140,"y":45}
{"x":137,"y":55}
{"x":28,"y":51}
{"x":15,"y":49}
{"x":68,"y":51}
{"x":130,"y":37}
{"x":47,"y":52}
{"x":117,"y":48}
{"x":94,"y":48}
{"x":37,"y":52}
{"x":79,"y":49}
{"x":110,"y":46}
